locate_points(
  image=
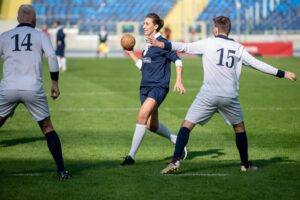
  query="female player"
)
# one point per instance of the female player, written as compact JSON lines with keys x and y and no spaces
{"x":155,"y":67}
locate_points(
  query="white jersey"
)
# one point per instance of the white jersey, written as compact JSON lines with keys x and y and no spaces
{"x":22,"y":49}
{"x":222,"y":63}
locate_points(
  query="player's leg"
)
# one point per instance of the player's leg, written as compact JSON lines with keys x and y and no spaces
{"x":36,"y":103}
{"x":155,"y":126}
{"x":140,"y":130}
{"x":242,"y":146}
{"x":232,"y":114}
{"x":8,"y":103}
{"x":201,"y":110}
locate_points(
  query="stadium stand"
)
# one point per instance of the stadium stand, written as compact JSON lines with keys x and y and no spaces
{"x":89,"y":14}
{"x":255,"y":16}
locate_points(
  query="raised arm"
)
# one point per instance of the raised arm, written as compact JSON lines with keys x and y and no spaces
{"x":266,"y":68}
{"x":190,"y":48}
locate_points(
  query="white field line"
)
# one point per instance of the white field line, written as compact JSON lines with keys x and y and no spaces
{"x":196,"y":174}
{"x":115,"y":109}
{"x":26,"y":174}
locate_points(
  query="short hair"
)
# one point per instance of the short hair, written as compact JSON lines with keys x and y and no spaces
{"x":57,"y":22}
{"x":26,"y":14}
{"x":156,"y":20}
{"x":223,"y":24}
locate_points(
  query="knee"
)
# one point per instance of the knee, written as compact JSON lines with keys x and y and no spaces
{"x":142,"y":119}
{"x":46,"y":125}
{"x":239,"y":128}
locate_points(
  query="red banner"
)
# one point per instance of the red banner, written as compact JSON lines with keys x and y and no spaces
{"x":269,"y":48}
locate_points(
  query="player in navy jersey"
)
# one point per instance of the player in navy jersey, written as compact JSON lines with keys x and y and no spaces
{"x":60,"y":46}
{"x":22,"y":49}
{"x":222,"y":65}
{"x":156,"y":71}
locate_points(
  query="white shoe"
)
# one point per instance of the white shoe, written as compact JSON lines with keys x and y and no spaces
{"x":171,"y":168}
{"x":248,"y":167}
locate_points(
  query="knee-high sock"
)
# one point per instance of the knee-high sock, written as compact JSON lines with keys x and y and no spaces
{"x":242,"y":145}
{"x":59,"y":62}
{"x":139,"y":133}
{"x":165,"y":132}
{"x":55,"y":149}
{"x":181,"y":142}
{"x":64,"y":63}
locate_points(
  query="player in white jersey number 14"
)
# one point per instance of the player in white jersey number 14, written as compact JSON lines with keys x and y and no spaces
{"x":22,"y":49}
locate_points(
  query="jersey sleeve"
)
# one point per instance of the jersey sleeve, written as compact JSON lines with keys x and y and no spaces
{"x":190,"y":48}
{"x":249,"y":60}
{"x":172,"y":55}
{"x":50,"y":53}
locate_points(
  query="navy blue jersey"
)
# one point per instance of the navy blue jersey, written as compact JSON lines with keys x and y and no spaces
{"x":60,"y":37}
{"x":156,"y":70}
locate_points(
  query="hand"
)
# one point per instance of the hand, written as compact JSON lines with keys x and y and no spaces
{"x":290,"y":75}
{"x":178,"y":87}
{"x":128,"y":52}
{"x":55,"y":92}
{"x":155,"y":43}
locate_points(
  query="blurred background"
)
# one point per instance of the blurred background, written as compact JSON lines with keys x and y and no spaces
{"x":265,"y":27}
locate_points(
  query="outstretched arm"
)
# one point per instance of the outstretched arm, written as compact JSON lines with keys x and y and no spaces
{"x":190,"y":48}
{"x":138,"y":62}
{"x":266,"y":68}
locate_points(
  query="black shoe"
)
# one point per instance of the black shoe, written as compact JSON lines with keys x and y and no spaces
{"x":63,"y":175}
{"x":128,"y":160}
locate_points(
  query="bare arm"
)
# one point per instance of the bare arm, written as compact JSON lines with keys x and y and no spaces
{"x":134,"y":58}
{"x":178,"y":86}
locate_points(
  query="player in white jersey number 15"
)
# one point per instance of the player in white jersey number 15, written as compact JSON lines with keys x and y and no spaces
{"x":22,"y":49}
{"x":222,"y":63}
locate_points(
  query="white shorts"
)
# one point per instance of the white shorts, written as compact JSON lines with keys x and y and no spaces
{"x":205,"y":106}
{"x":35,"y":102}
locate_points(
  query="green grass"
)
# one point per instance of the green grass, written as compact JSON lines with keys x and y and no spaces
{"x":95,"y":118}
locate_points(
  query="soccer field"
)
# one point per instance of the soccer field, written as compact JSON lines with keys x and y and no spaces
{"x":95,"y":118}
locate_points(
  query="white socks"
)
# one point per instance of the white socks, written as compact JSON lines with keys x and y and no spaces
{"x":165,"y":132}
{"x":62,"y":63}
{"x":140,"y":131}
{"x":137,"y":139}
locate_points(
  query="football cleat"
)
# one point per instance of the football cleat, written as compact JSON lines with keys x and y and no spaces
{"x":171,"y":168}
{"x":248,"y":167}
{"x":184,"y":154}
{"x":63,"y":175}
{"x":128,"y":160}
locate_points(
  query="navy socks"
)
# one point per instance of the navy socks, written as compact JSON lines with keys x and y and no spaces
{"x":181,"y":142}
{"x":55,"y":149}
{"x":242,"y":145}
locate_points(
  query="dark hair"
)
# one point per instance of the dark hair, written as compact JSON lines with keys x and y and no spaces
{"x":223,"y":24}
{"x":57,"y":22}
{"x":156,"y":20}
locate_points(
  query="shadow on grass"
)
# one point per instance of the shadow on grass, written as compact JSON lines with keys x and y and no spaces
{"x":18,"y":141}
{"x":261,"y":163}
{"x":214,"y":153}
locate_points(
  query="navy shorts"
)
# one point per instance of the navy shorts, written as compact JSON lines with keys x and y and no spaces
{"x":156,"y":93}
{"x":60,"y":51}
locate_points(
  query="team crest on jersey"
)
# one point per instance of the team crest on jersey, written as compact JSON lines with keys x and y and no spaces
{"x":147,"y":60}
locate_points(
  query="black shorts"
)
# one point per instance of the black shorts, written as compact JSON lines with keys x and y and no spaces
{"x":156,"y":93}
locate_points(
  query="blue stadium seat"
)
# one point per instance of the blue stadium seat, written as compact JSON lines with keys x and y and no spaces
{"x":96,"y":12}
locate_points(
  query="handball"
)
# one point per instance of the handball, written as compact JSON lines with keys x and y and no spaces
{"x":127,"y":42}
